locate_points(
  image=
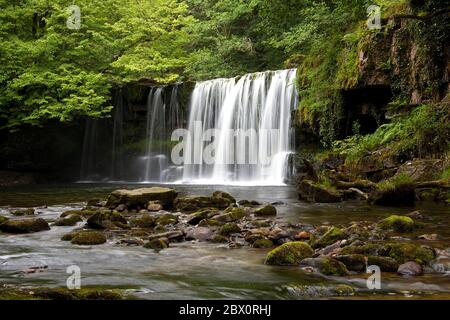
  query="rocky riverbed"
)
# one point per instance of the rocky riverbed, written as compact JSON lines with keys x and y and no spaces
{"x":328,"y":258}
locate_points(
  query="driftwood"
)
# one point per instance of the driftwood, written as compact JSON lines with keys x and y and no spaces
{"x":359,"y":184}
{"x":433,"y":184}
{"x":359,"y":192}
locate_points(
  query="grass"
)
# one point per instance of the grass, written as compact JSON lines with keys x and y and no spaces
{"x":394,"y":182}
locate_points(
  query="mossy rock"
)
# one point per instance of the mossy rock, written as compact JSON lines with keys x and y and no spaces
{"x":326,"y":265}
{"x":353,"y":262}
{"x":402,"y":194}
{"x":397,"y":223}
{"x":68,"y":221}
{"x":167,"y":219}
{"x":83,"y":213}
{"x":229,"y":228}
{"x":386,"y":264}
{"x":157,"y":244}
{"x":289,"y":254}
{"x":266,"y":210}
{"x":222,"y":199}
{"x":320,"y":291}
{"x":193,"y":203}
{"x":367,"y":249}
{"x":141,"y":197}
{"x":89,"y":238}
{"x":217,"y":238}
{"x":79,"y":294}
{"x":262,"y":243}
{"x":23,"y":212}
{"x":3,"y":219}
{"x":104,"y":219}
{"x":24,"y":226}
{"x":404,"y":252}
{"x":231,"y":214}
{"x":331,"y":236}
{"x":201,"y":214}
{"x":144,"y":221}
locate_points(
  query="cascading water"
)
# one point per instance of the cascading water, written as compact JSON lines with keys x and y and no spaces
{"x":252,"y":116}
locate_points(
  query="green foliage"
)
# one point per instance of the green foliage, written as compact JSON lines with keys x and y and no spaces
{"x":48,"y":71}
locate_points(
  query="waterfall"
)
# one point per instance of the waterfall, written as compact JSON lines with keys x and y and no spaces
{"x":252,"y":116}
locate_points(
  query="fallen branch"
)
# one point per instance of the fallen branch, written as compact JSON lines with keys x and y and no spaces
{"x":359,"y":192}
{"x":433,"y":184}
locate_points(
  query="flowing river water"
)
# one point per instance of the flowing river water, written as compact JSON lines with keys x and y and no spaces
{"x":196,"y":270}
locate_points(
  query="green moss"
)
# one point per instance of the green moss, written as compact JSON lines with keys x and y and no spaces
{"x":229,"y":228}
{"x":397,"y":223}
{"x":219,"y":239}
{"x":403,"y":252}
{"x":88,"y":238}
{"x":144,"y":221}
{"x":3,"y":219}
{"x":68,"y":221}
{"x":83,"y":213}
{"x":386,"y":264}
{"x":332,"y":267}
{"x":167,"y":219}
{"x":288,"y":254}
{"x":262,"y":243}
{"x":267,"y":210}
{"x":23,"y":212}
{"x":331,"y":236}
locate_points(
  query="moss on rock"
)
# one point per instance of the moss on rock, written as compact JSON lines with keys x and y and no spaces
{"x":157,"y":244}
{"x":397,"y":223}
{"x":331,"y":236}
{"x":3,"y":219}
{"x":289,"y":254}
{"x":68,"y":221}
{"x":262,"y":243}
{"x":23,"y":212}
{"x":267,"y":210}
{"x":24,"y":225}
{"x":229,"y":228}
{"x":89,"y":238}
{"x":326,"y":265}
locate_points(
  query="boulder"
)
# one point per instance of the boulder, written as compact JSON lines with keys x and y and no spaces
{"x":217,"y":238}
{"x":166,"y":219}
{"x":326,"y":265}
{"x":88,"y":238}
{"x":386,"y":264}
{"x":312,"y":192}
{"x":410,"y":268}
{"x":266,"y":210}
{"x":24,"y":225}
{"x":23,"y":212}
{"x":397,"y":223}
{"x":141,"y":197}
{"x":420,"y":170}
{"x":394,"y":193}
{"x":157,"y":244}
{"x":82,"y":213}
{"x":106,"y":219}
{"x":68,"y":221}
{"x":289,"y":254}
{"x":200,"y":234}
{"x":193,"y":203}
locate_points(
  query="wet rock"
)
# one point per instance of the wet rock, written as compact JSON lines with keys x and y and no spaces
{"x":210,"y":223}
{"x":260,"y":223}
{"x":24,"y":226}
{"x":200,"y":234}
{"x":94,"y":203}
{"x":417,"y":215}
{"x":154,"y":206}
{"x":267,"y":210}
{"x":247,"y":203}
{"x":306,"y":291}
{"x":193,"y":203}
{"x":89,"y":238}
{"x":229,"y":228}
{"x":132,"y":242}
{"x":288,"y":254}
{"x":397,"y":223}
{"x":326,"y":265}
{"x":157,"y":244}
{"x":171,"y":235}
{"x":262,"y":243}
{"x":144,"y":221}
{"x":141,"y":197}
{"x":332,"y":249}
{"x":230,"y":215}
{"x":121,"y":208}
{"x":105,"y":219}
{"x":410,"y":268}
{"x":166,"y":219}
{"x":312,"y":192}
{"x":201,"y":214}
{"x":23,"y":212}
{"x":386,"y":264}
{"x":397,"y":195}
{"x":82,"y":213}
{"x":353,"y":262}
{"x":303,"y":235}
{"x":222,"y":199}
{"x":68,"y":221}
{"x":331,"y":236}
{"x":420,"y":170}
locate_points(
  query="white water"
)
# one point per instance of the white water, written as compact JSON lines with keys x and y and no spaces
{"x":262,"y":102}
